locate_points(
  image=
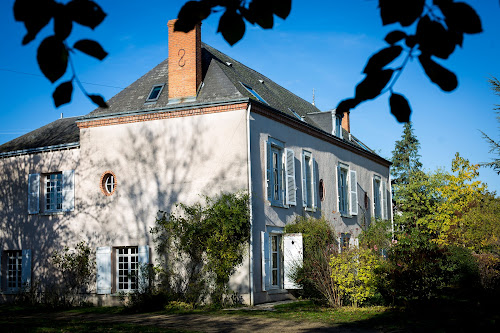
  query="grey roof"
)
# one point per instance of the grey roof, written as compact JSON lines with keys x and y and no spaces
{"x":59,"y":132}
{"x":223,"y":81}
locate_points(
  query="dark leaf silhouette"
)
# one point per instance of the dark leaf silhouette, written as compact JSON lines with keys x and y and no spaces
{"x":394,"y":36}
{"x":434,"y":38}
{"x":261,"y":13}
{"x":445,"y":79}
{"x":411,"y":41}
{"x":52,"y":58}
{"x":98,"y":100}
{"x":346,"y":105}
{"x":34,"y":14}
{"x":400,"y":107}
{"x":373,"y":84}
{"x":404,"y":12}
{"x":192,"y":13}
{"x":62,"y":23}
{"x":92,"y":48}
{"x":382,"y":58}
{"x":282,"y":8}
{"x":461,"y":17}
{"x":232,"y":27}
{"x":85,"y":12}
{"x":62,"y":94}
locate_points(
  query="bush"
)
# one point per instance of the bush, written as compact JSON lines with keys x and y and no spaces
{"x":314,"y":276}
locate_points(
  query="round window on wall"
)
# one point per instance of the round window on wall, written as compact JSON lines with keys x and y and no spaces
{"x":321,"y":190}
{"x":108,"y":183}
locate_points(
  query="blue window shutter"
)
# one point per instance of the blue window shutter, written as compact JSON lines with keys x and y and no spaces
{"x":103,"y":259}
{"x":291,"y":193}
{"x":353,"y":184}
{"x":143,"y":267}
{"x":268,"y":169}
{"x":314,"y":189}
{"x":34,"y":193}
{"x":265,"y":259}
{"x":26,"y":269}
{"x":68,"y":190}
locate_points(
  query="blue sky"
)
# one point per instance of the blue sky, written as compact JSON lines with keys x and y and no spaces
{"x":322,"y":45}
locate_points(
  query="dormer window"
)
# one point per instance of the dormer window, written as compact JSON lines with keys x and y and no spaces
{"x":155,"y":92}
{"x":253,"y":92}
{"x":338,"y":126}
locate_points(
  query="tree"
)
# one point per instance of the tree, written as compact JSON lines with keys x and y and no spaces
{"x":438,"y":27}
{"x":495,"y":145}
{"x":405,"y":157}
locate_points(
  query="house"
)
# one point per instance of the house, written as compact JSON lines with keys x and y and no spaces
{"x":200,"y":122}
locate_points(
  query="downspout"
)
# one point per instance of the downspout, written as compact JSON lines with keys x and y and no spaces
{"x":249,"y":168}
{"x":390,"y":200}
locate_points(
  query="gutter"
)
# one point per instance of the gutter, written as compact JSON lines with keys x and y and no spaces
{"x":40,"y":149}
{"x":249,"y":168}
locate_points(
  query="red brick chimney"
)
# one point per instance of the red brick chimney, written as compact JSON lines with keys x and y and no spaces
{"x":184,"y":63}
{"x":345,"y":122}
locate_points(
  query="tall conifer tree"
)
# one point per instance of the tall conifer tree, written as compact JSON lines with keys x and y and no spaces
{"x":405,"y":157}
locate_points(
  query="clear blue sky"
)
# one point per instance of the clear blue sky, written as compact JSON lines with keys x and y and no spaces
{"x":322,"y":45}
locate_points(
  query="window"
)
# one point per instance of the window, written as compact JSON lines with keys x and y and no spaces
{"x":348,"y":190}
{"x":108,"y":183}
{"x":53,"y":192}
{"x":309,"y":191}
{"x":16,"y":264}
{"x":120,"y":268}
{"x":338,"y":126}
{"x":127,"y":262}
{"x":14,"y":269}
{"x":345,"y":240}
{"x":377,"y":204}
{"x":276,"y":260}
{"x":58,"y":192}
{"x":155,"y":92}
{"x":321,"y":190}
{"x":280,"y":174}
{"x":253,"y":92}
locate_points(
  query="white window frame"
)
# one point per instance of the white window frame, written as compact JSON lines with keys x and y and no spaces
{"x":309,"y":190}
{"x":338,"y":126}
{"x":275,"y":172}
{"x":13,"y":270}
{"x":128,"y":272}
{"x":343,"y":189}
{"x":276,"y":260}
{"x":53,"y":199}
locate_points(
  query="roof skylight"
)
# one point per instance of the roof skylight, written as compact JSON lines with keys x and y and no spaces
{"x":296,"y":114}
{"x":155,"y":92}
{"x":253,"y":92}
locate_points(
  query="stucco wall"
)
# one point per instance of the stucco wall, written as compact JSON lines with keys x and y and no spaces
{"x":156,"y":163}
{"x":327,"y":157}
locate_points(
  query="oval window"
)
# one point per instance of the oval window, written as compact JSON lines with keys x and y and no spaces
{"x":108,"y":183}
{"x":321,"y":190}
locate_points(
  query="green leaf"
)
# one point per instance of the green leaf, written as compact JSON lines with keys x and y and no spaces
{"x":98,"y":100}
{"x":445,"y":79}
{"x":91,"y":48}
{"x":373,"y":84}
{"x":232,"y":27}
{"x":62,"y":94}
{"x":382,"y":58}
{"x":400,"y":108}
{"x":461,"y":17}
{"x":52,"y":58}
{"x":85,"y":12}
{"x":394,"y":36}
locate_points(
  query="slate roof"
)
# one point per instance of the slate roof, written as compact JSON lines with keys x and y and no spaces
{"x":59,"y":132}
{"x":223,"y":79}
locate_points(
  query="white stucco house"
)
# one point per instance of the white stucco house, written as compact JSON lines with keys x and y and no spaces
{"x":200,"y":122}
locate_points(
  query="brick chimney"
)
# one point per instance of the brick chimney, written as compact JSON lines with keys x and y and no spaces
{"x":345,"y":122}
{"x":184,"y":63}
